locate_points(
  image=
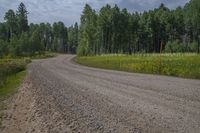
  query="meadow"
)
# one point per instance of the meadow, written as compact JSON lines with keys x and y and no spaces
{"x":180,"y":65}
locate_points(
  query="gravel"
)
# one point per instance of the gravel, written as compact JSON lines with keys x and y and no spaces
{"x":66,"y":97}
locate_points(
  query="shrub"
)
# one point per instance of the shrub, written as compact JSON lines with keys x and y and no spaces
{"x":178,"y":47}
{"x":3,"y":48}
{"x":11,"y":66}
{"x":193,"y":47}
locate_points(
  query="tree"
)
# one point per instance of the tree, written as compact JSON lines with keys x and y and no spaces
{"x":3,"y":32}
{"x":36,"y":45}
{"x":104,"y":29}
{"x":14,"y":46}
{"x":24,"y":44}
{"x":10,"y":22}
{"x":3,"y":48}
{"x":76,"y":31}
{"x":88,"y":31}
{"x":72,"y":38}
{"x":178,"y":25}
{"x":193,"y":9}
{"x":111,"y":30}
{"x":22,"y":18}
{"x":134,"y":29}
{"x":60,"y":37}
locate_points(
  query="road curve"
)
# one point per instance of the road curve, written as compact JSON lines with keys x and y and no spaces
{"x":75,"y":98}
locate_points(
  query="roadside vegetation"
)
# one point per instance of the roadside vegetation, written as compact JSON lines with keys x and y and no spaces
{"x":21,"y":42}
{"x":112,"y":30}
{"x":115,"y":30}
{"x":12,"y":72}
{"x":19,"y":38}
{"x":11,"y":84}
{"x":43,"y":55}
{"x":181,"y":65}
{"x":10,"y":68}
{"x":8,"y":88}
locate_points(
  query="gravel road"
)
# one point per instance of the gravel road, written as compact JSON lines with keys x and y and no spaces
{"x":67,"y":97}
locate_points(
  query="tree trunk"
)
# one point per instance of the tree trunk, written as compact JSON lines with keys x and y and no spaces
{"x":198,"y":49}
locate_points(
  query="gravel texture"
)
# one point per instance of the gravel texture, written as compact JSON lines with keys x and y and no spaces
{"x":59,"y":95}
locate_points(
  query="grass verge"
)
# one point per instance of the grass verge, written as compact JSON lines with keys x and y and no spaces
{"x":10,"y":67}
{"x":180,"y":65}
{"x":8,"y":89}
{"x":11,"y":85}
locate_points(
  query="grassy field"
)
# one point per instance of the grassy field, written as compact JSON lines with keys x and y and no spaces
{"x":181,"y":65}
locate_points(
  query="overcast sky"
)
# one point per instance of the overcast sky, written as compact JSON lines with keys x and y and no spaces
{"x":69,"y":11}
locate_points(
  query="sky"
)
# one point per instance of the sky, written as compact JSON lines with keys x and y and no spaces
{"x":69,"y":11}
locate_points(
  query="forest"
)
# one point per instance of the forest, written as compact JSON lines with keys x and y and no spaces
{"x":19,"y":38}
{"x":109,"y":30}
{"x":113,"y":30}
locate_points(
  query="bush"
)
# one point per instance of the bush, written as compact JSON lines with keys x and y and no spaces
{"x":83,"y":49}
{"x":178,"y":47}
{"x":11,"y":66}
{"x":172,"y":47}
{"x":193,"y":47}
{"x":3,"y":48}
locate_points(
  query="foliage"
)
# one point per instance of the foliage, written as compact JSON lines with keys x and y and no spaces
{"x":22,"y":18}
{"x":87,"y":31}
{"x":17,"y":38}
{"x":111,"y":30}
{"x":115,"y":30}
{"x":3,"y":48}
{"x":10,"y":67}
{"x":181,"y":65}
{"x":43,"y":55}
{"x":72,"y":38}
{"x":178,"y":47}
{"x":10,"y":87}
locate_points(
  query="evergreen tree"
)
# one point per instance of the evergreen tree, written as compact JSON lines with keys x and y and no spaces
{"x":10,"y":18}
{"x":22,"y":18}
{"x":88,"y":33}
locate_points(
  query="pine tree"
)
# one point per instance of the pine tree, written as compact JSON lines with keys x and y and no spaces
{"x":22,"y":18}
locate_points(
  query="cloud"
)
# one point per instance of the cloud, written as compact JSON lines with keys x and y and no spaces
{"x":69,"y":11}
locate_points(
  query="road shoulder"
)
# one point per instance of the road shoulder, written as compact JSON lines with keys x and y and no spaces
{"x":18,"y":116}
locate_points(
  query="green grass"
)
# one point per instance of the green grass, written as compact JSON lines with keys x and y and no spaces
{"x":10,"y":67}
{"x":180,"y":65}
{"x":11,"y":85}
{"x":12,"y":71}
{"x":8,"y":89}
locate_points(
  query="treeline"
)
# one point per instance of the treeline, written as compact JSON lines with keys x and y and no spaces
{"x":18,"y":38}
{"x":113,"y":30}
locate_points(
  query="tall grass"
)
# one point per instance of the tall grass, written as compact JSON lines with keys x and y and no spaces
{"x":181,"y":65}
{"x":10,"y":67}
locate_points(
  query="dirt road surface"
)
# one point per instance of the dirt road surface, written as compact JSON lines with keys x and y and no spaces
{"x":59,"y":95}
